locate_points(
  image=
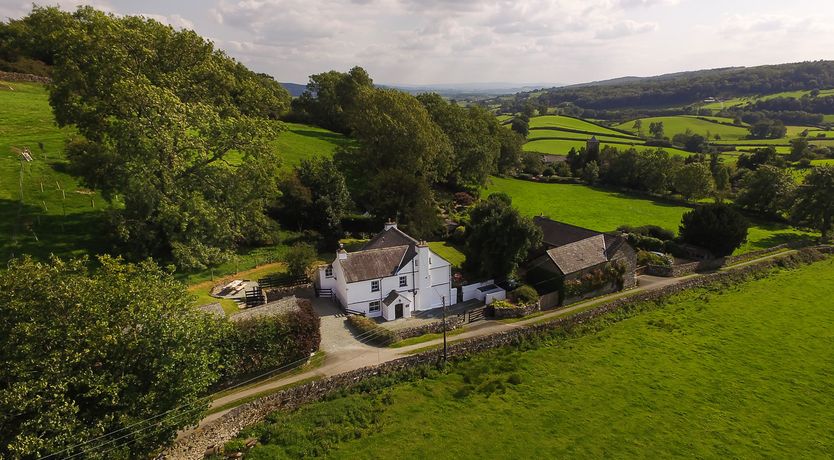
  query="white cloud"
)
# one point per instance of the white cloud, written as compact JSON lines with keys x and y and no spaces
{"x":624,"y":29}
{"x":175,"y":20}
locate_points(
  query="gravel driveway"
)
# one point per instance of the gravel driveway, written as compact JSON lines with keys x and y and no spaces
{"x":335,"y":334}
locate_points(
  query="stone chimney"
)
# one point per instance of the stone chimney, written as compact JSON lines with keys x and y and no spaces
{"x":341,"y":253}
{"x":389,"y":225}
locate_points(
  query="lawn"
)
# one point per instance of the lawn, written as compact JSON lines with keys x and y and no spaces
{"x":605,"y":210}
{"x":449,"y":252}
{"x":679,"y":124}
{"x":305,"y":141}
{"x":734,"y":372}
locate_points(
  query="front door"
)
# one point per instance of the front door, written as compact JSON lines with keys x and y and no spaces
{"x":398,"y":310}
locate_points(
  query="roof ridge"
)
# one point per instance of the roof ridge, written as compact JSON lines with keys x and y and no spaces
{"x":387,"y":248}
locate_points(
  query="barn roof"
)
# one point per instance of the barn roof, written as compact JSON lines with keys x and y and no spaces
{"x":579,"y":255}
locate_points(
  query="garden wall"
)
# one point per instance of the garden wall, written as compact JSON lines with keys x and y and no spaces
{"x":22,"y":77}
{"x":515,"y":312}
{"x":452,"y":323}
{"x":194,"y":444}
{"x":675,"y":271}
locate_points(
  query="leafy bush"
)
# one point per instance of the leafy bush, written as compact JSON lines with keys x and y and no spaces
{"x":258,"y":344}
{"x":503,"y":304}
{"x":653,"y":231}
{"x":459,"y":234}
{"x":548,"y":171}
{"x":525,"y":294}
{"x":299,"y":258}
{"x":646,"y":243}
{"x":371,"y":331}
{"x":648,"y":258}
{"x":464,"y":199}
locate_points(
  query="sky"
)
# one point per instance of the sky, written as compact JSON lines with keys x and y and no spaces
{"x":474,"y":41}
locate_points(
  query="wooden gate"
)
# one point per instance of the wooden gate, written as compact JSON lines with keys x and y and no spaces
{"x":476,"y":314}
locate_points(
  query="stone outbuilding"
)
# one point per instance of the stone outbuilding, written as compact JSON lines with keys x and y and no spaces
{"x":575,"y":263}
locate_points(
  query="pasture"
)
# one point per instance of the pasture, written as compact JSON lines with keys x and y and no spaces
{"x":679,"y":124}
{"x":737,"y":101}
{"x":57,"y":215}
{"x":43,"y":209}
{"x":737,"y":371}
{"x":563,"y":122}
{"x":605,"y":210}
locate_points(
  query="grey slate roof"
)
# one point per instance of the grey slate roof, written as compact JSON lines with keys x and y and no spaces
{"x":391,"y":297}
{"x":389,"y":238}
{"x":559,"y":233}
{"x":369,"y":264}
{"x":579,"y":255}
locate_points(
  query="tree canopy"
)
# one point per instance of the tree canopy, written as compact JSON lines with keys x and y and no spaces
{"x":716,"y":227}
{"x":499,"y":237}
{"x":330,"y":96}
{"x":174,"y":133}
{"x":814,"y":205}
{"x":86,"y":354}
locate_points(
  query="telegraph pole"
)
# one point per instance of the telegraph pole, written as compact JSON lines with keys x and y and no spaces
{"x":444,"y":331}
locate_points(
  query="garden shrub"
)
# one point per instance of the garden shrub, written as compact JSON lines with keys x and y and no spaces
{"x":464,"y":199}
{"x":525,"y":294}
{"x":259,"y":344}
{"x":459,"y":234}
{"x":371,"y":331}
{"x":299,"y":258}
{"x":648,"y":258}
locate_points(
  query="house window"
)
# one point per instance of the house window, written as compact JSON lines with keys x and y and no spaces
{"x":328,"y":272}
{"x":373,"y":306}
{"x":375,"y":286}
{"x":403,"y":281}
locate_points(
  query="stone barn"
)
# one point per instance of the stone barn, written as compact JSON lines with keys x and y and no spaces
{"x":576,"y":263}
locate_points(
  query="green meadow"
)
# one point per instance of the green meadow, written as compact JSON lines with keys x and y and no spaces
{"x":559,"y":121}
{"x":679,"y":124}
{"x":44,"y":210}
{"x":605,"y":210}
{"x":741,"y":371}
{"x":737,"y":101}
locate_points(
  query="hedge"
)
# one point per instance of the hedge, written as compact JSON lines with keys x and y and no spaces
{"x":256,"y":345}
{"x":371,"y":332}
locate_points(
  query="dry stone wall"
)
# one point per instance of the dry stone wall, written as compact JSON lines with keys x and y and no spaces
{"x":195,"y":444}
{"x":23,"y":77}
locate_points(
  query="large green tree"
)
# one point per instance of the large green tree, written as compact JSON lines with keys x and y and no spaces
{"x":315,"y":195}
{"x":330,"y":96}
{"x":814,"y":205}
{"x":694,"y":181}
{"x":716,"y":227}
{"x":400,"y":154}
{"x":499,"y":237}
{"x":768,"y":190}
{"x":474,"y":134}
{"x":83,"y":355}
{"x":174,"y":133}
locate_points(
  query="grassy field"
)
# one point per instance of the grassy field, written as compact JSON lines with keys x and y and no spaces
{"x":57,"y":215}
{"x":559,"y":121}
{"x":723,"y":373}
{"x":734,"y":102}
{"x":676,"y":125}
{"x":605,"y":210}
{"x":43,"y":209}
{"x":304,"y":141}
{"x":551,"y":133}
{"x":449,"y":252}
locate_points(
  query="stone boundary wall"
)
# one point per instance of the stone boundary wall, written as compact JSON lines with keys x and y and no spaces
{"x":675,"y":271}
{"x":194,"y":445}
{"x":515,"y":312}
{"x":23,"y":77}
{"x":452,"y":322}
{"x":302,"y":290}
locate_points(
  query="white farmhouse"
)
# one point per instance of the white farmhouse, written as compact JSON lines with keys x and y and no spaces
{"x":392,"y":276}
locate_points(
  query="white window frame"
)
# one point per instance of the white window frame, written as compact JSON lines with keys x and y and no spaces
{"x":403,"y":281}
{"x":375,"y":283}
{"x":374,"y":306}
{"x":328,"y":271}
